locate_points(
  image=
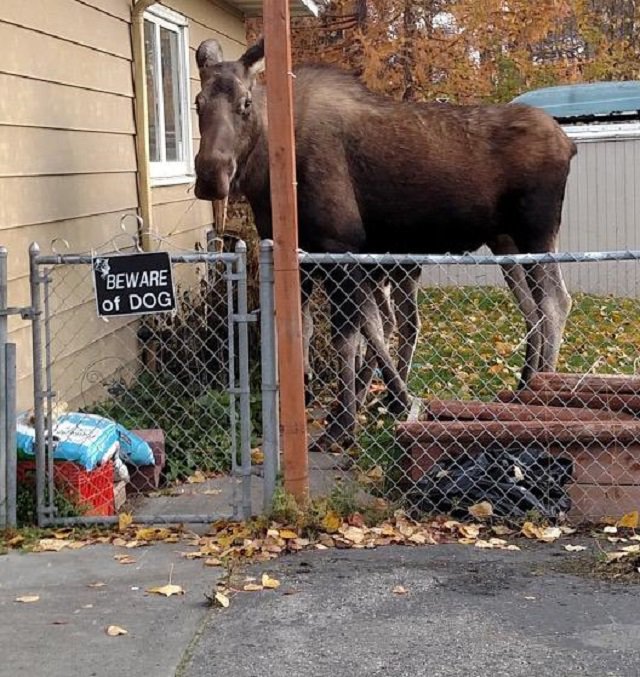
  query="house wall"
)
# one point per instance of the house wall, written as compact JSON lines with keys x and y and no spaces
{"x":68,"y":162}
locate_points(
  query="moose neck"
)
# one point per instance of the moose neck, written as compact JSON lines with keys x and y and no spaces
{"x":253,"y":175}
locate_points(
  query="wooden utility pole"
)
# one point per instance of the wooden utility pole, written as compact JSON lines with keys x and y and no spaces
{"x":282,"y":169}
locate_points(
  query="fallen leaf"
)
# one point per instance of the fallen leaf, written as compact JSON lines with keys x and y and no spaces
{"x":331,"y":522}
{"x":629,"y":521}
{"x":485,"y":545}
{"x":211,"y":492}
{"x":252,"y":587}
{"x":513,"y":548}
{"x":28,"y":599}
{"x":469,"y":530}
{"x":631,"y":548}
{"x":78,"y":545}
{"x":212,"y":562}
{"x":287,"y":534}
{"x":124,"y":520}
{"x":545,"y":534}
{"x":97,"y":584}
{"x":501,"y":530}
{"x":574,"y":548}
{"x":610,"y":530}
{"x":257,"y":456}
{"x":550,"y":534}
{"x":222,"y":599}
{"x":529,"y":597}
{"x":152,"y":534}
{"x":16,"y":540}
{"x":167,"y":590}
{"x":567,"y":530}
{"x":481,"y":510}
{"x":124,"y":559}
{"x":399,"y":590}
{"x":116,"y":630}
{"x":270,"y":583}
{"x":51,"y":545}
{"x":353,"y":534}
{"x":376,"y":473}
{"x":614,"y":556}
{"x":198,"y":477}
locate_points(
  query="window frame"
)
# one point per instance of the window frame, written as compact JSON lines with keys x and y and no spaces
{"x":172,"y":172}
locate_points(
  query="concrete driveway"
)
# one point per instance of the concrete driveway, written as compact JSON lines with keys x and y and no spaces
{"x":466,"y":612}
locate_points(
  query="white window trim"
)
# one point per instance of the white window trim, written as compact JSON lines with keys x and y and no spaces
{"x":174,"y":173}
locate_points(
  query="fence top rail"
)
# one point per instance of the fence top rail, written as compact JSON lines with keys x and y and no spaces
{"x":467,"y":259}
{"x":84,"y":259}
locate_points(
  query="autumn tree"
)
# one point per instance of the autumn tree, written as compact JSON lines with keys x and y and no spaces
{"x":473,"y":50}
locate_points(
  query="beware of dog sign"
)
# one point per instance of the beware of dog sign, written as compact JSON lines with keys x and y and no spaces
{"x":133,"y":284}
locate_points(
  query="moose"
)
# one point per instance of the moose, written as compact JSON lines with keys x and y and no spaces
{"x":379,"y":176}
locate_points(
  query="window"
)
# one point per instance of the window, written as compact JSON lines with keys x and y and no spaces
{"x":166,"y":59}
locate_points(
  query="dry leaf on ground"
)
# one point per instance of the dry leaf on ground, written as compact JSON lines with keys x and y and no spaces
{"x":96,"y":584}
{"x":222,"y":599}
{"x":167,"y":590}
{"x":27,"y":599}
{"x":116,"y":630}
{"x":51,"y":545}
{"x":124,"y":520}
{"x":399,"y":590}
{"x":629,"y":521}
{"x":270,"y":583}
{"x":481,"y":510}
{"x":575,"y":548}
{"x":198,"y":477}
{"x":252,"y":587}
{"x":124,"y":559}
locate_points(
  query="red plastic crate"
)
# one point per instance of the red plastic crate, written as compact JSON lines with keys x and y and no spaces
{"x":91,"y":491}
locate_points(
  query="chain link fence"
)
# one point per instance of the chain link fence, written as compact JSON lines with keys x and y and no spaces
{"x":414,"y":377}
{"x":152,"y":414}
{"x":465,"y":436}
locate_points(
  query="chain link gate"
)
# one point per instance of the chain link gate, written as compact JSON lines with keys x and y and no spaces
{"x":466,"y":435}
{"x":181,"y":382}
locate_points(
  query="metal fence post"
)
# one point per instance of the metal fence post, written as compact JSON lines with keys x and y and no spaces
{"x":3,"y":385}
{"x":243,"y":378}
{"x":38,"y":392}
{"x":269,"y":373}
{"x":11,"y":442}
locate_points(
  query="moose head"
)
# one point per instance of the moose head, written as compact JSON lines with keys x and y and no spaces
{"x":227,"y":116}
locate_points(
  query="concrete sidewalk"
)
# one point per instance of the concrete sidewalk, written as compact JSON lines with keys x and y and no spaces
{"x":63,"y":633}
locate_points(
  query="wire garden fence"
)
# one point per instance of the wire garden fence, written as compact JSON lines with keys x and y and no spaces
{"x":413,"y":392}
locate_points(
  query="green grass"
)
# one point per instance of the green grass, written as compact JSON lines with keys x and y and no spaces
{"x":471,"y":346}
{"x":471,"y":342}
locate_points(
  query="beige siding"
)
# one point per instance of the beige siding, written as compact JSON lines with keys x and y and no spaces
{"x":68,"y":163}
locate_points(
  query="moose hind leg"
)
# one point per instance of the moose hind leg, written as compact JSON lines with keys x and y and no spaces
{"x":554,"y":304}
{"x":404,"y":296}
{"x":516,"y":278}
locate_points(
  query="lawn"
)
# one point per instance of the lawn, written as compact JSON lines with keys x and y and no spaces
{"x":471,"y":341}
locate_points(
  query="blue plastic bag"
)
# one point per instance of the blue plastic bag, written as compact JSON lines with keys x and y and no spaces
{"x":89,"y":440}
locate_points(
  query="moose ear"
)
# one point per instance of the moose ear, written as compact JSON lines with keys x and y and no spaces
{"x":208,"y":54}
{"x":253,"y":59}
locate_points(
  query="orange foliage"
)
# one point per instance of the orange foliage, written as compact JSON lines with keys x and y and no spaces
{"x":473,"y":50}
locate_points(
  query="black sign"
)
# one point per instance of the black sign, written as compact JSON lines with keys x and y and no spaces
{"x":133,"y":284}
